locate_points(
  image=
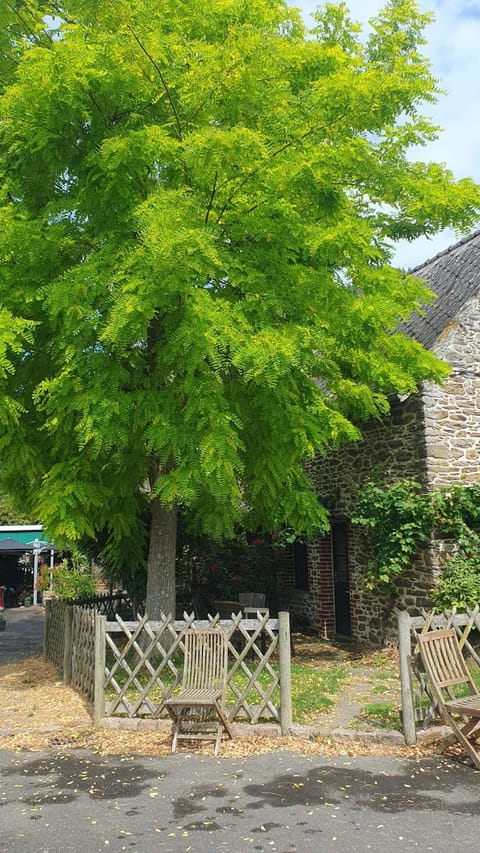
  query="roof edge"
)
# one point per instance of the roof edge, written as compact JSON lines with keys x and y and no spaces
{"x":452,"y":248}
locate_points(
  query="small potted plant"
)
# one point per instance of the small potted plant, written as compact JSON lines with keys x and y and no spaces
{"x":25,"y":598}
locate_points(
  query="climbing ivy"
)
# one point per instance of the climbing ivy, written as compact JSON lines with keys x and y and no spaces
{"x":399,"y":518}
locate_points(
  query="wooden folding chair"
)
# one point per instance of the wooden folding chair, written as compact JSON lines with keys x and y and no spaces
{"x":198,"y":711}
{"x":252,"y":599}
{"x":453,"y":687}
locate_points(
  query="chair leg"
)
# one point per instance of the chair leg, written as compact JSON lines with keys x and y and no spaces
{"x":218,"y":738}
{"x":176,"y":720}
{"x":217,"y":724}
{"x":174,"y":739}
{"x":464,"y":735}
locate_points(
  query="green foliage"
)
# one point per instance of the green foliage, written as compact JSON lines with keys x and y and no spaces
{"x":122,"y":561}
{"x":21,"y":24}
{"x":457,"y":510}
{"x":459,"y":584}
{"x":398,"y":518}
{"x":199,"y":203}
{"x":458,"y":517}
{"x":222,"y":570}
{"x":68,"y":582}
{"x":8,"y":515}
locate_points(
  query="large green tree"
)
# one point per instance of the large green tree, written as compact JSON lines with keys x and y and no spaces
{"x":198,"y":205}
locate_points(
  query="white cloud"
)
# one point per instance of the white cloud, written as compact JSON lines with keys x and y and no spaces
{"x":453,"y":49}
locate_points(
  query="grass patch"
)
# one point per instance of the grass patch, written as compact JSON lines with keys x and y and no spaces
{"x":382,"y":715}
{"x":386,"y":674}
{"x":380,"y":689}
{"x":313,"y":689}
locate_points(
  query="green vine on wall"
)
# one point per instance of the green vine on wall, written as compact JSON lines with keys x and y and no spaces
{"x":400,"y":517}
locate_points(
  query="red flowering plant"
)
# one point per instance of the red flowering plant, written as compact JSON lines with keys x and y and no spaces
{"x":223,"y":570}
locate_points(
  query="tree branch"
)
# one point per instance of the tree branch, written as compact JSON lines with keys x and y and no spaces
{"x":275,"y":153}
{"x":22,"y":20}
{"x":99,"y":109}
{"x":157,"y":68}
{"x":212,"y":196}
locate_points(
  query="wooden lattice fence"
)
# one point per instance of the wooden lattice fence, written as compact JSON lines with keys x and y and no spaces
{"x":54,"y":642}
{"x":418,"y":703}
{"x":83,"y":651}
{"x":144,"y":659}
{"x":129,"y":668}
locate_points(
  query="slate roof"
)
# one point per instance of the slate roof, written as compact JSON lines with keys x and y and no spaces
{"x":454,"y":275}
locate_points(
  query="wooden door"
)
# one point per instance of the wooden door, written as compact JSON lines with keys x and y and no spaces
{"x":341,"y":578}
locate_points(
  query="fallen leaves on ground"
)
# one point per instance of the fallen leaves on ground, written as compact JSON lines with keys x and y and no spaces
{"x":38,"y":712}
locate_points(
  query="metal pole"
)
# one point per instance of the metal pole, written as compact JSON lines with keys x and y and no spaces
{"x":36,"y":551}
{"x":52,"y":563}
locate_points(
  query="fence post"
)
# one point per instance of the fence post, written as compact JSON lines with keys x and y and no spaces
{"x":46,"y":628}
{"x":285,"y":673}
{"x":405,"y":651}
{"x":68,"y":644}
{"x":100,"y":661}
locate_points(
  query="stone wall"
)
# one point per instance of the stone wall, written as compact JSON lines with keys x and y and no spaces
{"x":452,"y":412}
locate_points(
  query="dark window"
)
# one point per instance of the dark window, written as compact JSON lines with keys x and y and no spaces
{"x":341,"y":578}
{"x":300,"y":565}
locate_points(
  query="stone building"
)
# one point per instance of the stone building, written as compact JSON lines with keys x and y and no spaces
{"x":432,"y":437}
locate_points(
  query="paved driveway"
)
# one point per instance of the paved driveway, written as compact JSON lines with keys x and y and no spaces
{"x":23,"y":635}
{"x":284,"y":803}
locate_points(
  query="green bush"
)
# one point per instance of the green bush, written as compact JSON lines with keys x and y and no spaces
{"x":459,"y":585}
{"x":68,"y":582}
{"x":457,"y":510}
{"x":399,"y":518}
{"x":222,"y":570}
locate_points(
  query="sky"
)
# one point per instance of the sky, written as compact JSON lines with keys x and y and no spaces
{"x":454,"y":51}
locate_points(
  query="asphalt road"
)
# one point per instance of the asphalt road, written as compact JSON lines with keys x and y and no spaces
{"x":23,"y":634}
{"x":280,"y":802}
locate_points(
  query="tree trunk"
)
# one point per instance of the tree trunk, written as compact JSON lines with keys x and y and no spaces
{"x":161,"y":562}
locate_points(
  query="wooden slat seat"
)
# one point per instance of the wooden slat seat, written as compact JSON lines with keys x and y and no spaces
{"x":195,"y":696}
{"x":198,"y":711}
{"x":448,"y":674}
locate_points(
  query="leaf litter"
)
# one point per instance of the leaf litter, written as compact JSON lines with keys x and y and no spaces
{"x":37,"y":712}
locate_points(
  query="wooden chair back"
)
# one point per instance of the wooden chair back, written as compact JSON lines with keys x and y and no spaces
{"x":206,"y":660}
{"x":226,"y":608}
{"x":448,"y":674}
{"x":444,"y":663}
{"x":252,"y":599}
